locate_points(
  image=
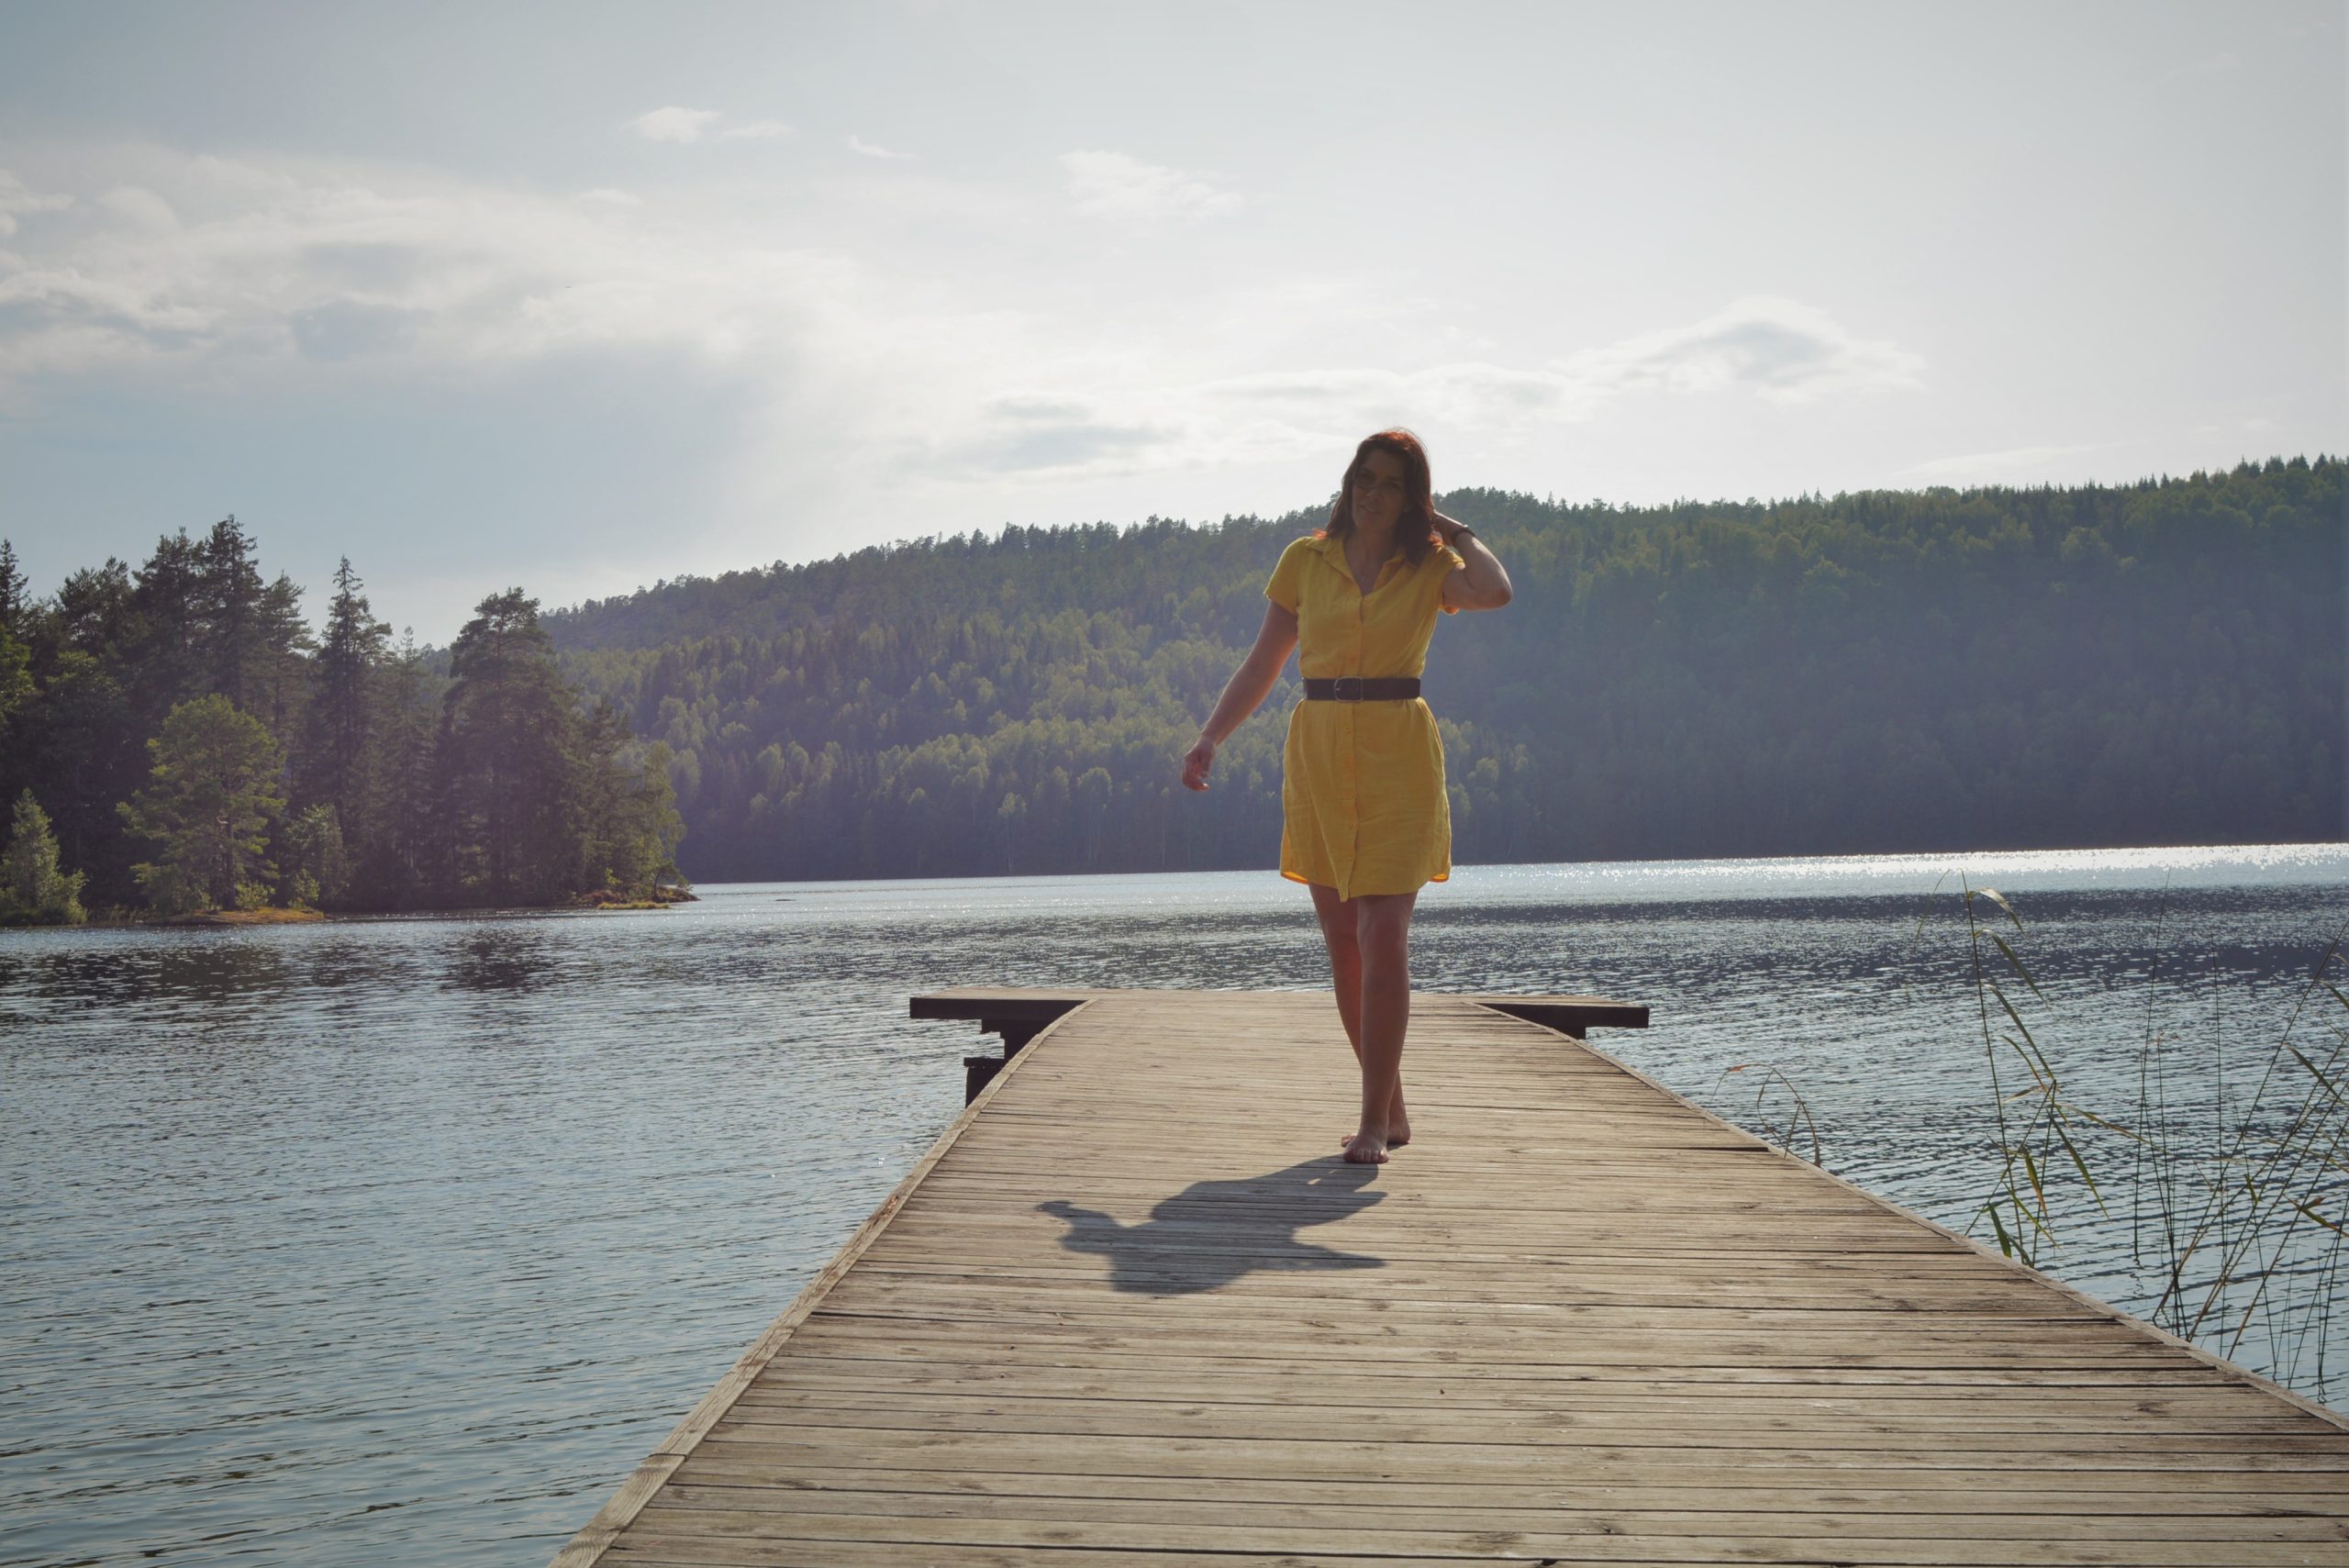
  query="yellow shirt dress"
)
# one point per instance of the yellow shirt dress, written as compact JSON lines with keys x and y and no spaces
{"x":1363,"y":805}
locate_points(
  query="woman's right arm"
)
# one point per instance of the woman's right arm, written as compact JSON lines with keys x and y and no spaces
{"x":1248,"y":686}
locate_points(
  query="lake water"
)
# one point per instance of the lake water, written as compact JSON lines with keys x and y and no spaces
{"x":403,"y":1241}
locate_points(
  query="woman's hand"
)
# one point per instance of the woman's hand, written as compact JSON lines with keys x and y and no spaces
{"x":1196,"y":763}
{"x":1447,"y":529}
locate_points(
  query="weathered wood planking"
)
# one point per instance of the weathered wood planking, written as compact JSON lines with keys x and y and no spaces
{"x":1131,"y":1311}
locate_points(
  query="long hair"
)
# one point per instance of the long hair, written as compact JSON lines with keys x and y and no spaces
{"x":1415,"y":529}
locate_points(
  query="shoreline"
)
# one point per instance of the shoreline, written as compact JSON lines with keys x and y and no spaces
{"x":303,"y":917}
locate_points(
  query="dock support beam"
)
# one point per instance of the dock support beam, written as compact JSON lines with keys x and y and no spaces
{"x":1016,"y":1019}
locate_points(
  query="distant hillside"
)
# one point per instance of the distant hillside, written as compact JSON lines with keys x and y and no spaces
{"x":2161,"y":663}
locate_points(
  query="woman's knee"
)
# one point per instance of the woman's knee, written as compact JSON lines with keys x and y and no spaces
{"x":1385,"y":947}
{"x":1385,"y":962}
{"x":1383,"y":938}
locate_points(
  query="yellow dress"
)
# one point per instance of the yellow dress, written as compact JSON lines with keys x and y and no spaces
{"x":1363,"y":805}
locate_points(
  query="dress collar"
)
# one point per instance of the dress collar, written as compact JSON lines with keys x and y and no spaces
{"x":1333,"y":550}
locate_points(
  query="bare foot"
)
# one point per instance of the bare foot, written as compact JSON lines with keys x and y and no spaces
{"x":1398,"y":1130}
{"x":1366,"y":1148}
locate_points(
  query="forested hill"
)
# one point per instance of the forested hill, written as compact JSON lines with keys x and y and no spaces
{"x":2161,"y":663}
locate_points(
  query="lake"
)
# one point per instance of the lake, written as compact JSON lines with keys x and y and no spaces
{"x":404,"y":1240}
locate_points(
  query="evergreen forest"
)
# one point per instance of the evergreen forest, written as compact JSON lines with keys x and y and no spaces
{"x":179,"y":740}
{"x":2159,"y":662}
{"x":1885,"y":671}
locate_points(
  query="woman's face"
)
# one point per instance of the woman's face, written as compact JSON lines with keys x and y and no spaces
{"x":1379,"y":489}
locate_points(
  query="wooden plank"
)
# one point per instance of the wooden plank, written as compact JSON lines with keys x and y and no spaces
{"x":1632,"y":1514}
{"x":1126,"y":1312}
{"x":1962,"y":1492}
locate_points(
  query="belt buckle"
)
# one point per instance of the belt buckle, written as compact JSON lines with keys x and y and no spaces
{"x":1346,"y":688}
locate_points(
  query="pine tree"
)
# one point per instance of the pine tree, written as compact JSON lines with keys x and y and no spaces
{"x":15,"y":655}
{"x":34,"y":888}
{"x":318,"y":868}
{"x":232,"y":639}
{"x":503,"y":761}
{"x":343,"y":708}
{"x":279,"y":672}
{"x":165,"y":639}
{"x":13,"y":603}
{"x":404,"y":841}
{"x":210,"y":807}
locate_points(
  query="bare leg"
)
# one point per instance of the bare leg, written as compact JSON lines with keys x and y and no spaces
{"x":1378,"y":988}
{"x":1340,"y":923}
{"x":1383,"y":931}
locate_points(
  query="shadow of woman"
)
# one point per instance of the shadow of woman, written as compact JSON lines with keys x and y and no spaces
{"x":1211,"y":1233}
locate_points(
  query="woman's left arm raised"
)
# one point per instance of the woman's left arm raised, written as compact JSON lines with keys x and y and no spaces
{"x":1483,"y":585}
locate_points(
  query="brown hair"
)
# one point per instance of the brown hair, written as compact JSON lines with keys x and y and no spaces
{"x":1419,"y":500}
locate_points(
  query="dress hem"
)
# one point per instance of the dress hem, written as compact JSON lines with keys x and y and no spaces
{"x":1375,"y":893}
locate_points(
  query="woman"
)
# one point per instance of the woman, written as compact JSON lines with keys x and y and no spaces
{"x":1365,"y":822}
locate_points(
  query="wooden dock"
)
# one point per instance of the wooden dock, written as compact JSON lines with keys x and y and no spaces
{"x":1130,"y":1310}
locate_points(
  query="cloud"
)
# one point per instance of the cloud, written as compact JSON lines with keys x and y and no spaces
{"x":684,"y":125}
{"x":1778,"y":350}
{"x":1781,"y":349}
{"x":862,"y":384}
{"x":1097,"y":420}
{"x":674,"y":123}
{"x":140,"y":207}
{"x":857,"y":144}
{"x":19,"y":200}
{"x":2006,"y":462}
{"x":1124,"y":189}
{"x":1072,"y":446}
{"x":275,"y":264}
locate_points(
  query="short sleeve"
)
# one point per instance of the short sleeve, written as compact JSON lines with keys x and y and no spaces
{"x":1459,"y":562}
{"x":1286,"y":588}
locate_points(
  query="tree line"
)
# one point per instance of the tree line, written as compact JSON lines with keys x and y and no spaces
{"x":2156,"y":663}
{"x":180,"y":737}
{"x":1880,"y":671}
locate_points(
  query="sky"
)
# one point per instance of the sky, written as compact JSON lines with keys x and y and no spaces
{"x":582,"y":296}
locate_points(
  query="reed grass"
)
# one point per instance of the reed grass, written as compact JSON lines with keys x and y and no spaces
{"x":2240,"y":1215}
{"x":2238,"y":1210}
{"x":1769,"y":1075}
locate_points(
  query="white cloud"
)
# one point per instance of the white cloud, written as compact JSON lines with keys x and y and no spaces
{"x":271,"y":264}
{"x":137,"y":205}
{"x":18,"y":199}
{"x":1124,"y":189}
{"x":857,"y":144}
{"x":674,"y":123}
{"x":1100,"y":422}
{"x":2008,"y":463}
{"x":1780,"y":348}
{"x":865,"y":393}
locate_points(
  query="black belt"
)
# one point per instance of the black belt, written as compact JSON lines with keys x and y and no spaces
{"x":1355,"y":688}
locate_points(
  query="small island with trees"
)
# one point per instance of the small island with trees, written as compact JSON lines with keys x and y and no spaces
{"x":181,"y":746}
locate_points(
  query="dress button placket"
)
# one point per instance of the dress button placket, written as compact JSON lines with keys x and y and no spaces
{"x":1353,"y":712}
